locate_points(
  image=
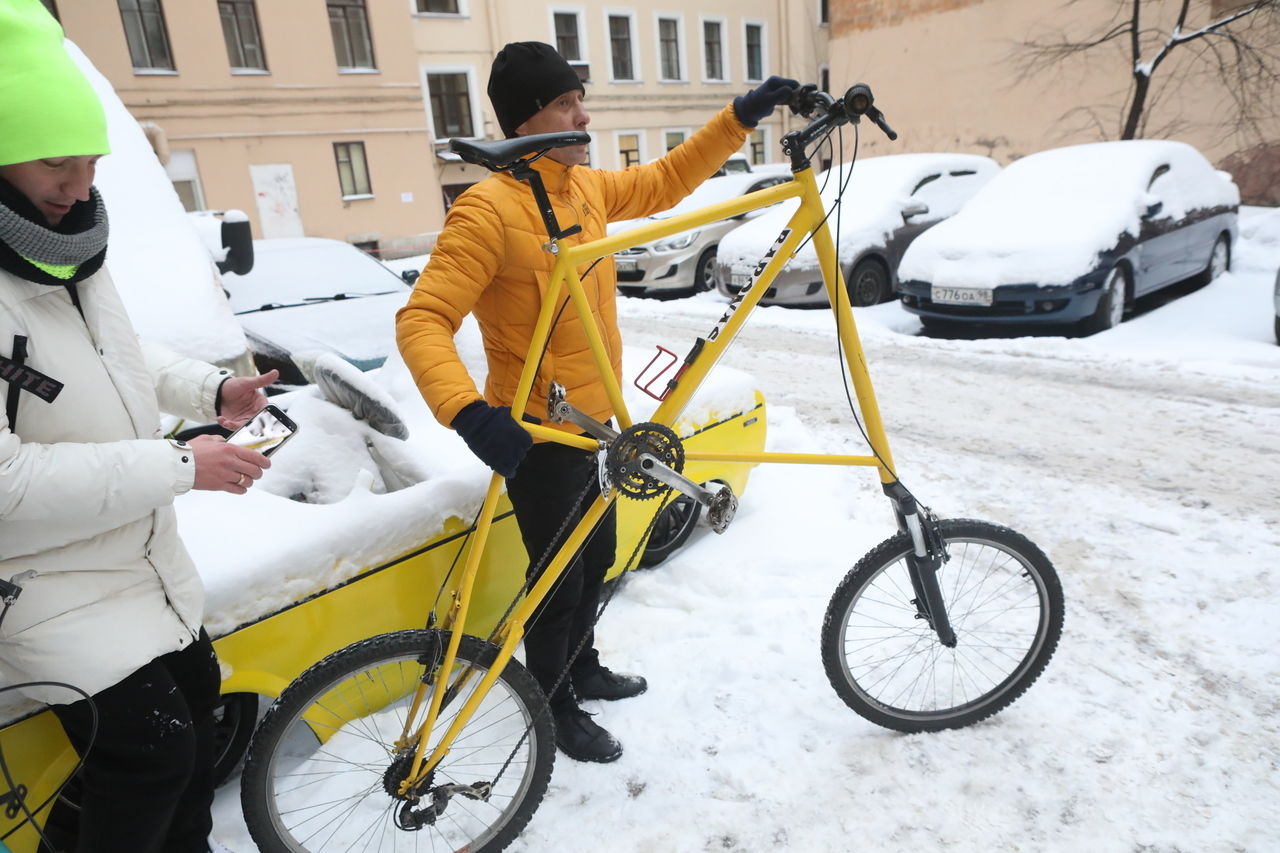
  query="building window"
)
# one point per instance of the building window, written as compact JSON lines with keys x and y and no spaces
{"x":674,"y":138}
{"x":438,"y":7}
{"x":182,"y":171}
{"x":755,"y":52}
{"x":145,"y":32}
{"x":713,"y":49}
{"x":352,"y":44}
{"x":568,"y":41}
{"x":669,"y":48}
{"x":823,"y":13}
{"x":824,"y":79}
{"x":628,"y":149}
{"x":240,"y":29}
{"x":758,"y":146}
{"x":450,"y":97}
{"x":620,"y":48}
{"x":353,"y":171}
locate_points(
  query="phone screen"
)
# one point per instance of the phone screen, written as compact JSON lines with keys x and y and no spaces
{"x":268,"y":429}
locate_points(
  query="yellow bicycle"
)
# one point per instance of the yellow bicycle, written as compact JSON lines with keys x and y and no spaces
{"x":434,"y":739}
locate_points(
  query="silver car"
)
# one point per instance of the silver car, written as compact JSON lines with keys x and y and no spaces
{"x":683,"y":262}
{"x":887,"y":202}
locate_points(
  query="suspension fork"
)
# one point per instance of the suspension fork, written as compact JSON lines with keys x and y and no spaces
{"x":925,"y":559}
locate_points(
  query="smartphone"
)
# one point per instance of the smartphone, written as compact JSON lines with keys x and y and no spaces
{"x":265,"y":432}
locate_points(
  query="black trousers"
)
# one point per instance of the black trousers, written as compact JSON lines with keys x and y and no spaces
{"x":542,"y":493}
{"x":147,"y":784}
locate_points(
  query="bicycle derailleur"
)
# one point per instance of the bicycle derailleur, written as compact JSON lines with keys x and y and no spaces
{"x":643,"y":461}
{"x":411,"y":817}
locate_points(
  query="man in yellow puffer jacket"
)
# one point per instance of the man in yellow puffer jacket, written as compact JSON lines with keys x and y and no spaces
{"x":490,"y":260}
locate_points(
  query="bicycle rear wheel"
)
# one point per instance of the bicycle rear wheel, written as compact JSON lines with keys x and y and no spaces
{"x":1003,"y":599}
{"x":323,"y":769}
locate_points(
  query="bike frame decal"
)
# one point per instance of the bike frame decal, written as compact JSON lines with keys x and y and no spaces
{"x":755,"y":278}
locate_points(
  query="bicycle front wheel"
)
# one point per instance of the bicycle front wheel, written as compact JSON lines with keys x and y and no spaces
{"x":324,"y":768}
{"x":1003,"y":599}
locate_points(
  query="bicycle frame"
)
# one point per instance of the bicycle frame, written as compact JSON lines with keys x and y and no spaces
{"x":808,"y":219}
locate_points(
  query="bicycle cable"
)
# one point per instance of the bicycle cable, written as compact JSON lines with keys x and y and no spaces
{"x":29,"y":813}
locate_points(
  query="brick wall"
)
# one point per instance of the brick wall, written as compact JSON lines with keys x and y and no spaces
{"x":854,"y":15}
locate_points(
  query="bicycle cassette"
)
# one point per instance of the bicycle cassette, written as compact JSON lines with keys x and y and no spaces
{"x":625,"y":461}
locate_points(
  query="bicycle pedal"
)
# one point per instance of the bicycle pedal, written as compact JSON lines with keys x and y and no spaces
{"x":722,"y":509}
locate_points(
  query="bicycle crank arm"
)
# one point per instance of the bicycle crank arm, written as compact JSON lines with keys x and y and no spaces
{"x":721,"y":504}
{"x":561,"y":410}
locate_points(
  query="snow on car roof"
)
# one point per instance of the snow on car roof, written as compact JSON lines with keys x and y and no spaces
{"x":876,"y":186}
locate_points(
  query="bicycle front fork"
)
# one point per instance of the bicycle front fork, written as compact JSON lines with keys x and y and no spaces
{"x":926,"y":558}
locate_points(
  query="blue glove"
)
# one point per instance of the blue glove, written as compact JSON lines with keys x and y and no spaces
{"x":758,"y":104}
{"x":493,"y":436}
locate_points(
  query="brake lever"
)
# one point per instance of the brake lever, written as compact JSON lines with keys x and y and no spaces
{"x":875,"y":115}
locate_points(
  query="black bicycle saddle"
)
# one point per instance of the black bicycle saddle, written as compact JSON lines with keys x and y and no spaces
{"x":500,"y":154}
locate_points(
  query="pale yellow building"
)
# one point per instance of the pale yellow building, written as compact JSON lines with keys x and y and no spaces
{"x":331,"y":118}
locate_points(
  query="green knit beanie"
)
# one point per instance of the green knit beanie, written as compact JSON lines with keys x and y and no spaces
{"x":47,"y":107}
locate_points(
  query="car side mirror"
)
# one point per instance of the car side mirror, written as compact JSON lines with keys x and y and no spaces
{"x":410,"y":277}
{"x":1153,"y":210}
{"x":914,"y":208}
{"x":237,"y":239}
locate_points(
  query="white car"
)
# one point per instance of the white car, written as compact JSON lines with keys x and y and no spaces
{"x":683,"y":262}
{"x":311,"y":294}
{"x":887,"y":202}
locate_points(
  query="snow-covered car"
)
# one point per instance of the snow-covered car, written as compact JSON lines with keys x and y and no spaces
{"x":887,"y":202}
{"x":684,"y":261}
{"x":310,"y":294}
{"x":1074,"y":235}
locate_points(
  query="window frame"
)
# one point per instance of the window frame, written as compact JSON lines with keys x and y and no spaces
{"x":726,"y":74}
{"x":252,"y":5}
{"x":747,"y":24}
{"x":685,"y":133}
{"x":763,"y":130}
{"x":681,"y":51}
{"x":639,"y":134}
{"x":630,"y":15}
{"x":172,"y":67}
{"x":368,"y":177}
{"x":372,"y":68}
{"x":473,"y":102}
{"x":464,"y":10}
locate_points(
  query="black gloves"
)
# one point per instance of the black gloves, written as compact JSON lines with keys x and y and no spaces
{"x":758,"y":104}
{"x":493,"y":436}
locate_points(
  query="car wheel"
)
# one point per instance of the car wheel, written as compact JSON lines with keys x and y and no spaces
{"x":704,"y":273}
{"x":1110,"y":309}
{"x":1219,"y":259}
{"x":868,"y":283}
{"x":234,"y":720}
{"x":671,"y":530}
{"x":1278,"y":329}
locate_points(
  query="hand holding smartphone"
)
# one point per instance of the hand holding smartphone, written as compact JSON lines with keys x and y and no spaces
{"x":265,"y":432}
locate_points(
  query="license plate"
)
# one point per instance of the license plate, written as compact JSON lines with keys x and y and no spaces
{"x":962,"y":295}
{"x":625,"y":264}
{"x":740,"y":280}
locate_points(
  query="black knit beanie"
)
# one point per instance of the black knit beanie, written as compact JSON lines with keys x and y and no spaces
{"x":525,"y":77}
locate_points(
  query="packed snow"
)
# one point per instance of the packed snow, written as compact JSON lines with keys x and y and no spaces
{"x":1142,"y":460}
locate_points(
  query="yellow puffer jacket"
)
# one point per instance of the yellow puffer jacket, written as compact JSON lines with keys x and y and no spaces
{"x":489,"y":259}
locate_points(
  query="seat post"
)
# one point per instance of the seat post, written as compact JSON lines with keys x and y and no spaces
{"x":522,"y":171}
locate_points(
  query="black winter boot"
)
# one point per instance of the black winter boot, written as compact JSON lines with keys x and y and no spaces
{"x":581,"y":739}
{"x":603,"y":684}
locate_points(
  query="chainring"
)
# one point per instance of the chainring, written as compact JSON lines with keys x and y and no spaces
{"x":622,"y":461}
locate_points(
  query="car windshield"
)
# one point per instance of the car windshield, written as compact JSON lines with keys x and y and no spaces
{"x":307,"y":272}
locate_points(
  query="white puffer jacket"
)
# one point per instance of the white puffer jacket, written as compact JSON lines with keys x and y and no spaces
{"x":86,"y":492}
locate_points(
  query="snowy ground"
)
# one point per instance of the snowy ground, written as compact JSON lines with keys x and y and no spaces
{"x":1145,"y":461}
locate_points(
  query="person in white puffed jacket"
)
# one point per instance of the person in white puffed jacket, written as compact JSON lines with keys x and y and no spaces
{"x":108,"y":600}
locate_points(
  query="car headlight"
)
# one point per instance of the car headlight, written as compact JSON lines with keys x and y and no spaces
{"x":679,"y":241}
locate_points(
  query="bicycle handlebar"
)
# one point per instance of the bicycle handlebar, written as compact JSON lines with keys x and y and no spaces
{"x":831,"y":113}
